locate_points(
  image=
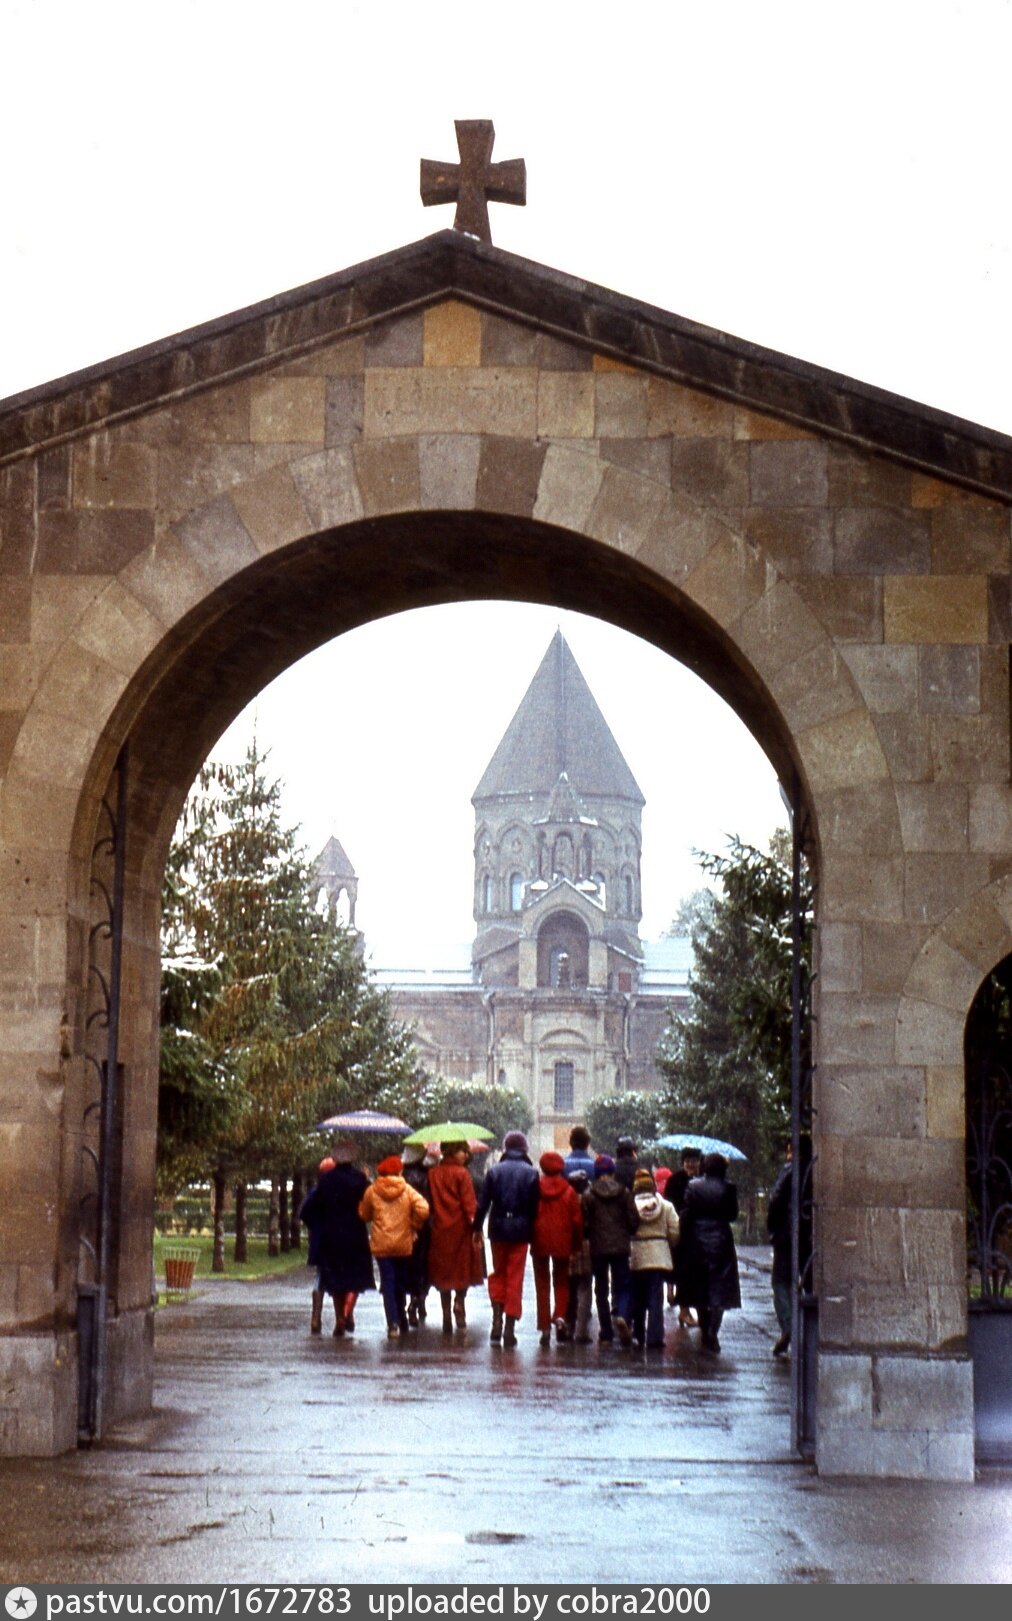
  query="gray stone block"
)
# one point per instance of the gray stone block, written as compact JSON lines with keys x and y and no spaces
{"x":949,"y":680}
{"x":910,"y":1393}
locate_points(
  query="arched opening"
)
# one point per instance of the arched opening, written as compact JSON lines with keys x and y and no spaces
{"x":516,"y":892}
{"x":988,"y":1050}
{"x":278,"y":609}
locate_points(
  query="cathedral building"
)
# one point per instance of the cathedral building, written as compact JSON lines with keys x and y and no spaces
{"x":557,"y":995}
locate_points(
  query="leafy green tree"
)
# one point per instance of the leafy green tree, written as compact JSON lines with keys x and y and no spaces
{"x":612,"y":1115}
{"x":727,"y":1061}
{"x":498,"y":1108}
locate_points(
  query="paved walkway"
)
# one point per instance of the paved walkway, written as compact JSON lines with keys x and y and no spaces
{"x":273,"y":1456}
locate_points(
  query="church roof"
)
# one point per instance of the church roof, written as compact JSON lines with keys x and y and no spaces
{"x":558,"y":732}
{"x":452,"y":265}
{"x":332,"y":861}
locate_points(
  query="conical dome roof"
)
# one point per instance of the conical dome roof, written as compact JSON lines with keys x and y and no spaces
{"x":558,"y":729}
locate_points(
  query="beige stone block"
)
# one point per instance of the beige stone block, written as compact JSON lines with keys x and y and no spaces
{"x":448,"y":471}
{"x":969,"y":748}
{"x":926,"y":491}
{"x":20,"y":666}
{"x":980,"y":933}
{"x":113,"y":472}
{"x":947,"y":1331}
{"x":842,"y":752}
{"x":78,"y":678}
{"x":327,"y":483}
{"x":946,"y":1085}
{"x":625,"y":509}
{"x":813,"y":688}
{"x":387,"y":475}
{"x":566,"y":405}
{"x":928,"y":1034}
{"x":610,"y":363}
{"x":933,"y":816}
{"x":166,"y":579}
{"x":855,"y":1030}
{"x":620,"y":406}
{"x":679,"y":537}
{"x":991,"y":818}
{"x":934,"y":1247}
{"x":888,"y":951}
{"x":271,"y":510}
{"x":685,"y":413}
{"x":340,"y":359}
{"x":839,"y":957}
{"x":119,"y":629}
{"x":756,"y":425}
{"x":728,"y":580}
{"x":850,"y":608}
{"x":58,"y":602}
{"x":216,"y":538}
{"x":906,"y":744}
{"x":864,"y":1246}
{"x":289,"y":410}
{"x":451,"y":399}
{"x":451,"y":335}
{"x":570,"y":481}
{"x":934,"y":887}
{"x":943,"y":976}
{"x":861,"y":888}
{"x":873,"y":1171}
{"x":886,"y":675}
{"x":862,"y":818}
{"x":189,"y":475}
{"x":778,"y":629}
{"x":942,"y":608}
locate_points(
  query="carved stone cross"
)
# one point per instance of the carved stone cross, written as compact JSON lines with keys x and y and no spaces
{"x":475,"y":181}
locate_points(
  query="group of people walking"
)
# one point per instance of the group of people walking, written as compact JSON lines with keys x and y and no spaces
{"x":593,"y":1225}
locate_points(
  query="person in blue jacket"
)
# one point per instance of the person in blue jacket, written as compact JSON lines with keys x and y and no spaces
{"x":579,"y":1157}
{"x":509,"y":1197}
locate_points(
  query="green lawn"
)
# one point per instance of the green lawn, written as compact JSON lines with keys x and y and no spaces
{"x":259,"y":1265}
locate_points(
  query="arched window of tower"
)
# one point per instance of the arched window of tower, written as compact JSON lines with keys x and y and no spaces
{"x":486,"y":893}
{"x":516,"y":892}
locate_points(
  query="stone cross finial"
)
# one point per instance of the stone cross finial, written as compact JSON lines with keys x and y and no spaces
{"x":475,"y":181}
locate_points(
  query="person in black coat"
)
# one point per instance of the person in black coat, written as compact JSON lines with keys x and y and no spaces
{"x":416,"y":1175}
{"x":675,"y":1192}
{"x":778,"y":1226}
{"x":338,"y":1240}
{"x":510,"y":1195}
{"x":711,"y":1264}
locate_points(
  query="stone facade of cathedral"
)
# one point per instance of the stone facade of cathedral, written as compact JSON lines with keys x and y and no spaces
{"x":557,"y":995}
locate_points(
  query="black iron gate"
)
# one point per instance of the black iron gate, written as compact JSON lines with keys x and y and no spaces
{"x":989,"y":1212}
{"x":805,"y":1305}
{"x":98,"y":1139}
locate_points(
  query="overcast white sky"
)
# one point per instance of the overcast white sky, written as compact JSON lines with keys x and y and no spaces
{"x":829,"y":181}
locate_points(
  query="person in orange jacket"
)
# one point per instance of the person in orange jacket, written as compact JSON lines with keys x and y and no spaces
{"x":556,"y":1234}
{"x":396,"y":1214}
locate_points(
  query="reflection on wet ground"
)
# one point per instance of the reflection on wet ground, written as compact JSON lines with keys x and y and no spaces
{"x":272,"y":1455}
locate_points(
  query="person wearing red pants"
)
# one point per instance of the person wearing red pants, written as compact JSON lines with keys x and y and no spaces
{"x":556,"y":1235}
{"x":509,"y":1197}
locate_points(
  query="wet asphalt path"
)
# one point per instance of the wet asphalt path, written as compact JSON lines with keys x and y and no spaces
{"x":275,"y":1456}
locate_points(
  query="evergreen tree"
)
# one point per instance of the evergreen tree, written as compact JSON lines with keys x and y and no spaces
{"x":727,"y":1062}
{"x":294,"y":1021}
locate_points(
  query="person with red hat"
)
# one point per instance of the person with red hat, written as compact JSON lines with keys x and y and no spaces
{"x":556,"y":1234}
{"x":396,"y":1214}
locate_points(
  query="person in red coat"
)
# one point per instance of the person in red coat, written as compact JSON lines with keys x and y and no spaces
{"x":451,"y":1245}
{"x":556,"y":1235}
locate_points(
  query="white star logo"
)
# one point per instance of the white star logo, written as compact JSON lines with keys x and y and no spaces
{"x":21,"y":1601}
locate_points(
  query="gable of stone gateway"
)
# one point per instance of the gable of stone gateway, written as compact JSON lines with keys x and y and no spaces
{"x":178,"y":525}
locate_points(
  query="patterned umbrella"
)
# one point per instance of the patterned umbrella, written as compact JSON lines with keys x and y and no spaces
{"x":364,"y":1120}
{"x":705,"y":1145}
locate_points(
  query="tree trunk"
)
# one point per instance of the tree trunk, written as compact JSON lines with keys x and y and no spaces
{"x":285,"y":1231}
{"x":240,"y":1255}
{"x":295,"y":1234}
{"x":273,"y":1226}
{"x":218,"y":1214}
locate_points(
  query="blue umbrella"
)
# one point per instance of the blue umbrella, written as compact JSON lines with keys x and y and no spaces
{"x":705,"y":1145}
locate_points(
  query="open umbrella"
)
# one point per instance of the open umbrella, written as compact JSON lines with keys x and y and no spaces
{"x":705,"y":1145}
{"x":448,"y":1131}
{"x":364,"y":1120}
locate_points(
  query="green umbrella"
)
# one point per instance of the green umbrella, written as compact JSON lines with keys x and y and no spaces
{"x":448,"y":1131}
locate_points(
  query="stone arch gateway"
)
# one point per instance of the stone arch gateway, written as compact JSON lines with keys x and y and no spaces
{"x":451,"y":422}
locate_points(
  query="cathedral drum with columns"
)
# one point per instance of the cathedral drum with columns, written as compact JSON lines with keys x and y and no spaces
{"x":557,"y":996}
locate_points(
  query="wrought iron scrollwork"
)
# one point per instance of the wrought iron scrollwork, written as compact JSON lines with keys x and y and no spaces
{"x":105,"y":955}
{"x":989,"y":1142}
